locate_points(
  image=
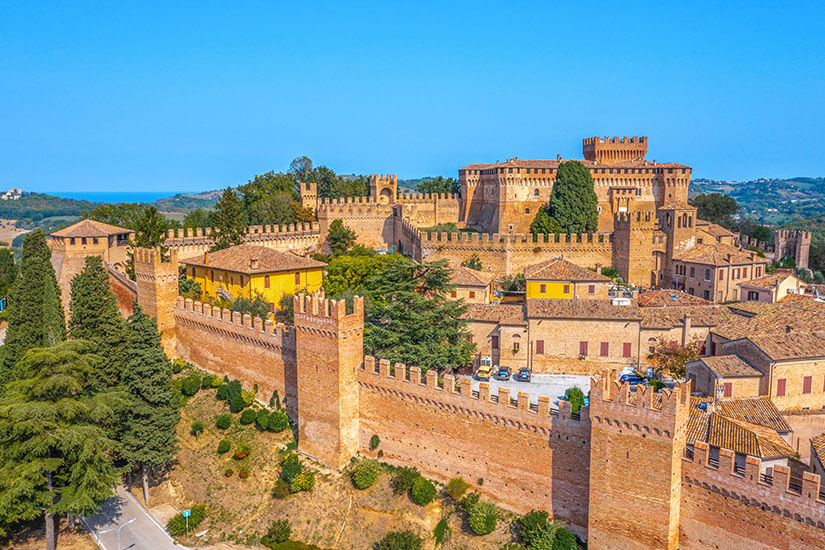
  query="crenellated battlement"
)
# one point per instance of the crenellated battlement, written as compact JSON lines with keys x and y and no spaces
{"x":608,"y":392}
{"x":614,"y":140}
{"x":804,"y":502}
{"x":154,"y":257}
{"x":497,"y":240}
{"x":259,"y":231}
{"x":456,"y":395}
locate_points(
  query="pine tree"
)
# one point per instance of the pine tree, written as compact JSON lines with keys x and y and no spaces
{"x":149,"y":438}
{"x":55,"y":456}
{"x":8,"y":271}
{"x":340,"y":237}
{"x":35,"y":311}
{"x":96,"y":317}
{"x":229,"y":220}
{"x":573,"y":202}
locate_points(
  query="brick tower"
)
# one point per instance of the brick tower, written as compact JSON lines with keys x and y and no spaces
{"x":678,"y":222}
{"x":383,"y":189}
{"x":637,"y":440}
{"x":633,"y":232}
{"x":309,"y":194}
{"x":157,"y":290}
{"x":329,"y":351}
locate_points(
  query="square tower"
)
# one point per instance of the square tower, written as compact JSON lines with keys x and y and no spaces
{"x":383,"y":189}
{"x":157,"y":290}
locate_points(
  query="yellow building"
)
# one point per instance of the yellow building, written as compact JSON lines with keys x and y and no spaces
{"x":248,"y":270}
{"x":562,"y":280}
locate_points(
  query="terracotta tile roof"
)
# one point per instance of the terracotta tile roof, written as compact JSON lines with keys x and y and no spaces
{"x":665,"y":298}
{"x":790,"y":345}
{"x":670,"y":317}
{"x":763,"y":318}
{"x":728,"y":366}
{"x":588,"y":163}
{"x":769,"y":281}
{"x":580,"y":309}
{"x":90,"y":228}
{"x":714,"y":229}
{"x":240,"y":259}
{"x":756,"y":410}
{"x":503,"y":314}
{"x":716,"y":254}
{"x":697,"y":426}
{"x":746,"y":438}
{"x":464,"y":276}
{"x":556,"y":269}
{"x":818,"y":449}
{"x":803,"y":302}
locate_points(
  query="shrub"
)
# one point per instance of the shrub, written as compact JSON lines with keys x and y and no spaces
{"x":423,"y":491}
{"x":261,"y":419}
{"x":293,"y":545}
{"x":656,"y":384}
{"x":399,"y":540}
{"x":575,"y":396}
{"x":480,"y":481}
{"x":483,"y":518}
{"x":441,"y":532}
{"x":281,"y":489}
{"x":278,"y":422}
{"x":290,"y":467}
{"x":275,"y":401}
{"x":216,"y":382}
{"x":243,"y":472}
{"x":537,"y":531}
{"x":241,"y":452}
{"x":248,"y":417}
{"x":610,"y":272}
{"x":365,"y":474}
{"x":197,"y":428}
{"x":229,"y":472}
{"x":223,"y":393}
{"x":304,"y":481}
{"x":247,"y":396}
{"x":177,"y":365}
{"x":279,"y":531}
{"x":177,"y":525}
{"x":374,"y":442}
{"x":233,"y":395}
{"x":190,"y":385}
{"x":224,"y":446}
{"x":404,"y":480}
{"x":223,"y":421}
{"x":456,"y":488}
{"x":469,"y":502}
{"x":565,"y":540}
{"x":206,"y":381}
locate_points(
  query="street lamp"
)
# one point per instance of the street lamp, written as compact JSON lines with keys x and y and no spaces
{"x":118,"y":531}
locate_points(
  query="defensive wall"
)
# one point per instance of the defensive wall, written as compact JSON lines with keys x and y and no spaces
{"x":791,"y":243}
{"x":529,"y":455}
{"x":300,"y":238}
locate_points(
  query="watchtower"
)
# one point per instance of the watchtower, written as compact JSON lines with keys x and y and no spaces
{"x":383,"y":189}
{"x":309,"y":194}
{"x":637,"y":440}
{"x":608,"y":150}
{"x":678,"y":222}
{"x":329,"y":351}
{"x":634,"y":227}
{"x":157,"y":290}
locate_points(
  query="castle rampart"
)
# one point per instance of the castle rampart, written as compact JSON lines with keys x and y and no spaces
{"x":300,"y":238}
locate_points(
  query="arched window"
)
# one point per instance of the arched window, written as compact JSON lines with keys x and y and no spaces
{"x":535,"y":192}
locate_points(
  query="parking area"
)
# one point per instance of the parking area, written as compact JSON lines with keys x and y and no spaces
{"x":550,"y":385}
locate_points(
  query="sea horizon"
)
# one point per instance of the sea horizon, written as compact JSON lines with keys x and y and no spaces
{"x":113,"y":197}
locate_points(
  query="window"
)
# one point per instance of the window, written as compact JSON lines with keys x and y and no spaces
{"x":591,"y":289}
{"x":94,"y":240}
{"x":744,"y":272}
{"x":83,"y":240}
{"x":510,"y":227}
{"x":707,"y":274}
{"x":806,"y":384}
{"x":472,"y":294}
{"x":453,"y":294}
{"x":582,"y":348}
{"x":515,"y":347}
{"x":539,"y":347}
{"x":542,"y":288}
{"x":692,"y":272}
{"x":758,"y":271}
{"x":691,"y":291}
{"x":527,"y":211}
{"x":626,"y":349}
{"x":721,"y":275}
{"x":297,"y":278}
{"x":728,"y":389}
{"x":604,"y":349}
{"x":735,"y":273}
{"x":193,"y":271}
{"x":494,"y":342}
{"x":780,"y":387}
{"x":567,"y":289}
{"x":706,"y":294}
{"x":536,"y":191}
{"x":266,"y":281}
{"x":753,"y":295}
{"x":212,"y":275}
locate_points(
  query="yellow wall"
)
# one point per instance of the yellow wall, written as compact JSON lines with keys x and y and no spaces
{"x":238,"y":284}
{"x":551,"y":290}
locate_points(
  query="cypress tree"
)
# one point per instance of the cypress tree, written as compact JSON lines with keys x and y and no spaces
{"x":149,"y":438}
{"x":8,"y":271}
{"x":35,"y":312}
{"x":229,"y":220}
{"x":573,"y":203}
{"x":55,"y":456}
{"x":96,"y":317}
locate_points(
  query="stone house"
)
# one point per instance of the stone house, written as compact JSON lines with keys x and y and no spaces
{"x":772,"y":287}
{"x":714,"y":271}
{"x":471,"y":285}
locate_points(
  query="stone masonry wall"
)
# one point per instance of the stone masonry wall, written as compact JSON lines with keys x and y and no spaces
{"x":529,"y":456}
{"x":300,"y":238}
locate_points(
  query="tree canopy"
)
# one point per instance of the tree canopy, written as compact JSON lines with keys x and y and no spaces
{"x":229,"y":221}
{"x":8,"y":271}
{"x":439,"y":184}
{"x":715,"y":208}
{"x":340,"y":237}
{"x":573,"y":206}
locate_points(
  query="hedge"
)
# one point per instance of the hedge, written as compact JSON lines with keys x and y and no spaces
{"x":177,"y":525}
{"x":261,"y":419}
{"x":248,"y":417}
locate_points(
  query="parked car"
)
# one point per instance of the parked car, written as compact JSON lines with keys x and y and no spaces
{"x":523,"y":375}
{"x":484,"y":372}
{"x":503,"y":373}
{"x":632,"y":378}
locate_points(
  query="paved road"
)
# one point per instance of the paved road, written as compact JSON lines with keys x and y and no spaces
{"x":550,"y":385}
{"x":145,"y":533}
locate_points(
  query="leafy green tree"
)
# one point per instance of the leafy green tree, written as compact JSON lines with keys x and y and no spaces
{"x":538,"y":532}
{"x":399,"y":540}
{"x":439,"y":184}
{"x":340,"y":237}
{"x":755,"y":230}
{"x":573,"y":202}
{"x":543,"y":223}
{"x":8,"y":271}
{"x":715,"y":208}
{"x":356,"y":273}
{"x":197,"y":218}
{"x":256,"y":307}
{"x":35,"y":310}
{"x":229,"y":220}
{"x":55,"y":455}
{"x":149,"y":438}
{"x":412,"y":321}
{"x":95,"y":316}
{"x":150,"y":228}
{"x":301,"y":168}
{"x":574,"y":396}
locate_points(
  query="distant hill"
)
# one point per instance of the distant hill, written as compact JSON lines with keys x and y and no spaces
{"x":36,"y":206}
{"x":768,"y":200}
{"x":186,"y":202}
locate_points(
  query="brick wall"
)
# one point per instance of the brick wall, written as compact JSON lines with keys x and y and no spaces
{"x":300,"y":238}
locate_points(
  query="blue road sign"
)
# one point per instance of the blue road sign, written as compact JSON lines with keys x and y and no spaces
{"x":187,"y":513}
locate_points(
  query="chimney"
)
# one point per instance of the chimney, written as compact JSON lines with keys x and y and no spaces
{"x":686,"y":329}
{"x":253,"y":263}
{"x":788,"y":329}
{"x":206,"y":258}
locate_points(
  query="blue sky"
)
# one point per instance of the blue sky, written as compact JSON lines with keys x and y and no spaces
{"x":132,"y":96}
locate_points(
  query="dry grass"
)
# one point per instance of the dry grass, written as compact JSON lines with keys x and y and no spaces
{"x":33,"y":536}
